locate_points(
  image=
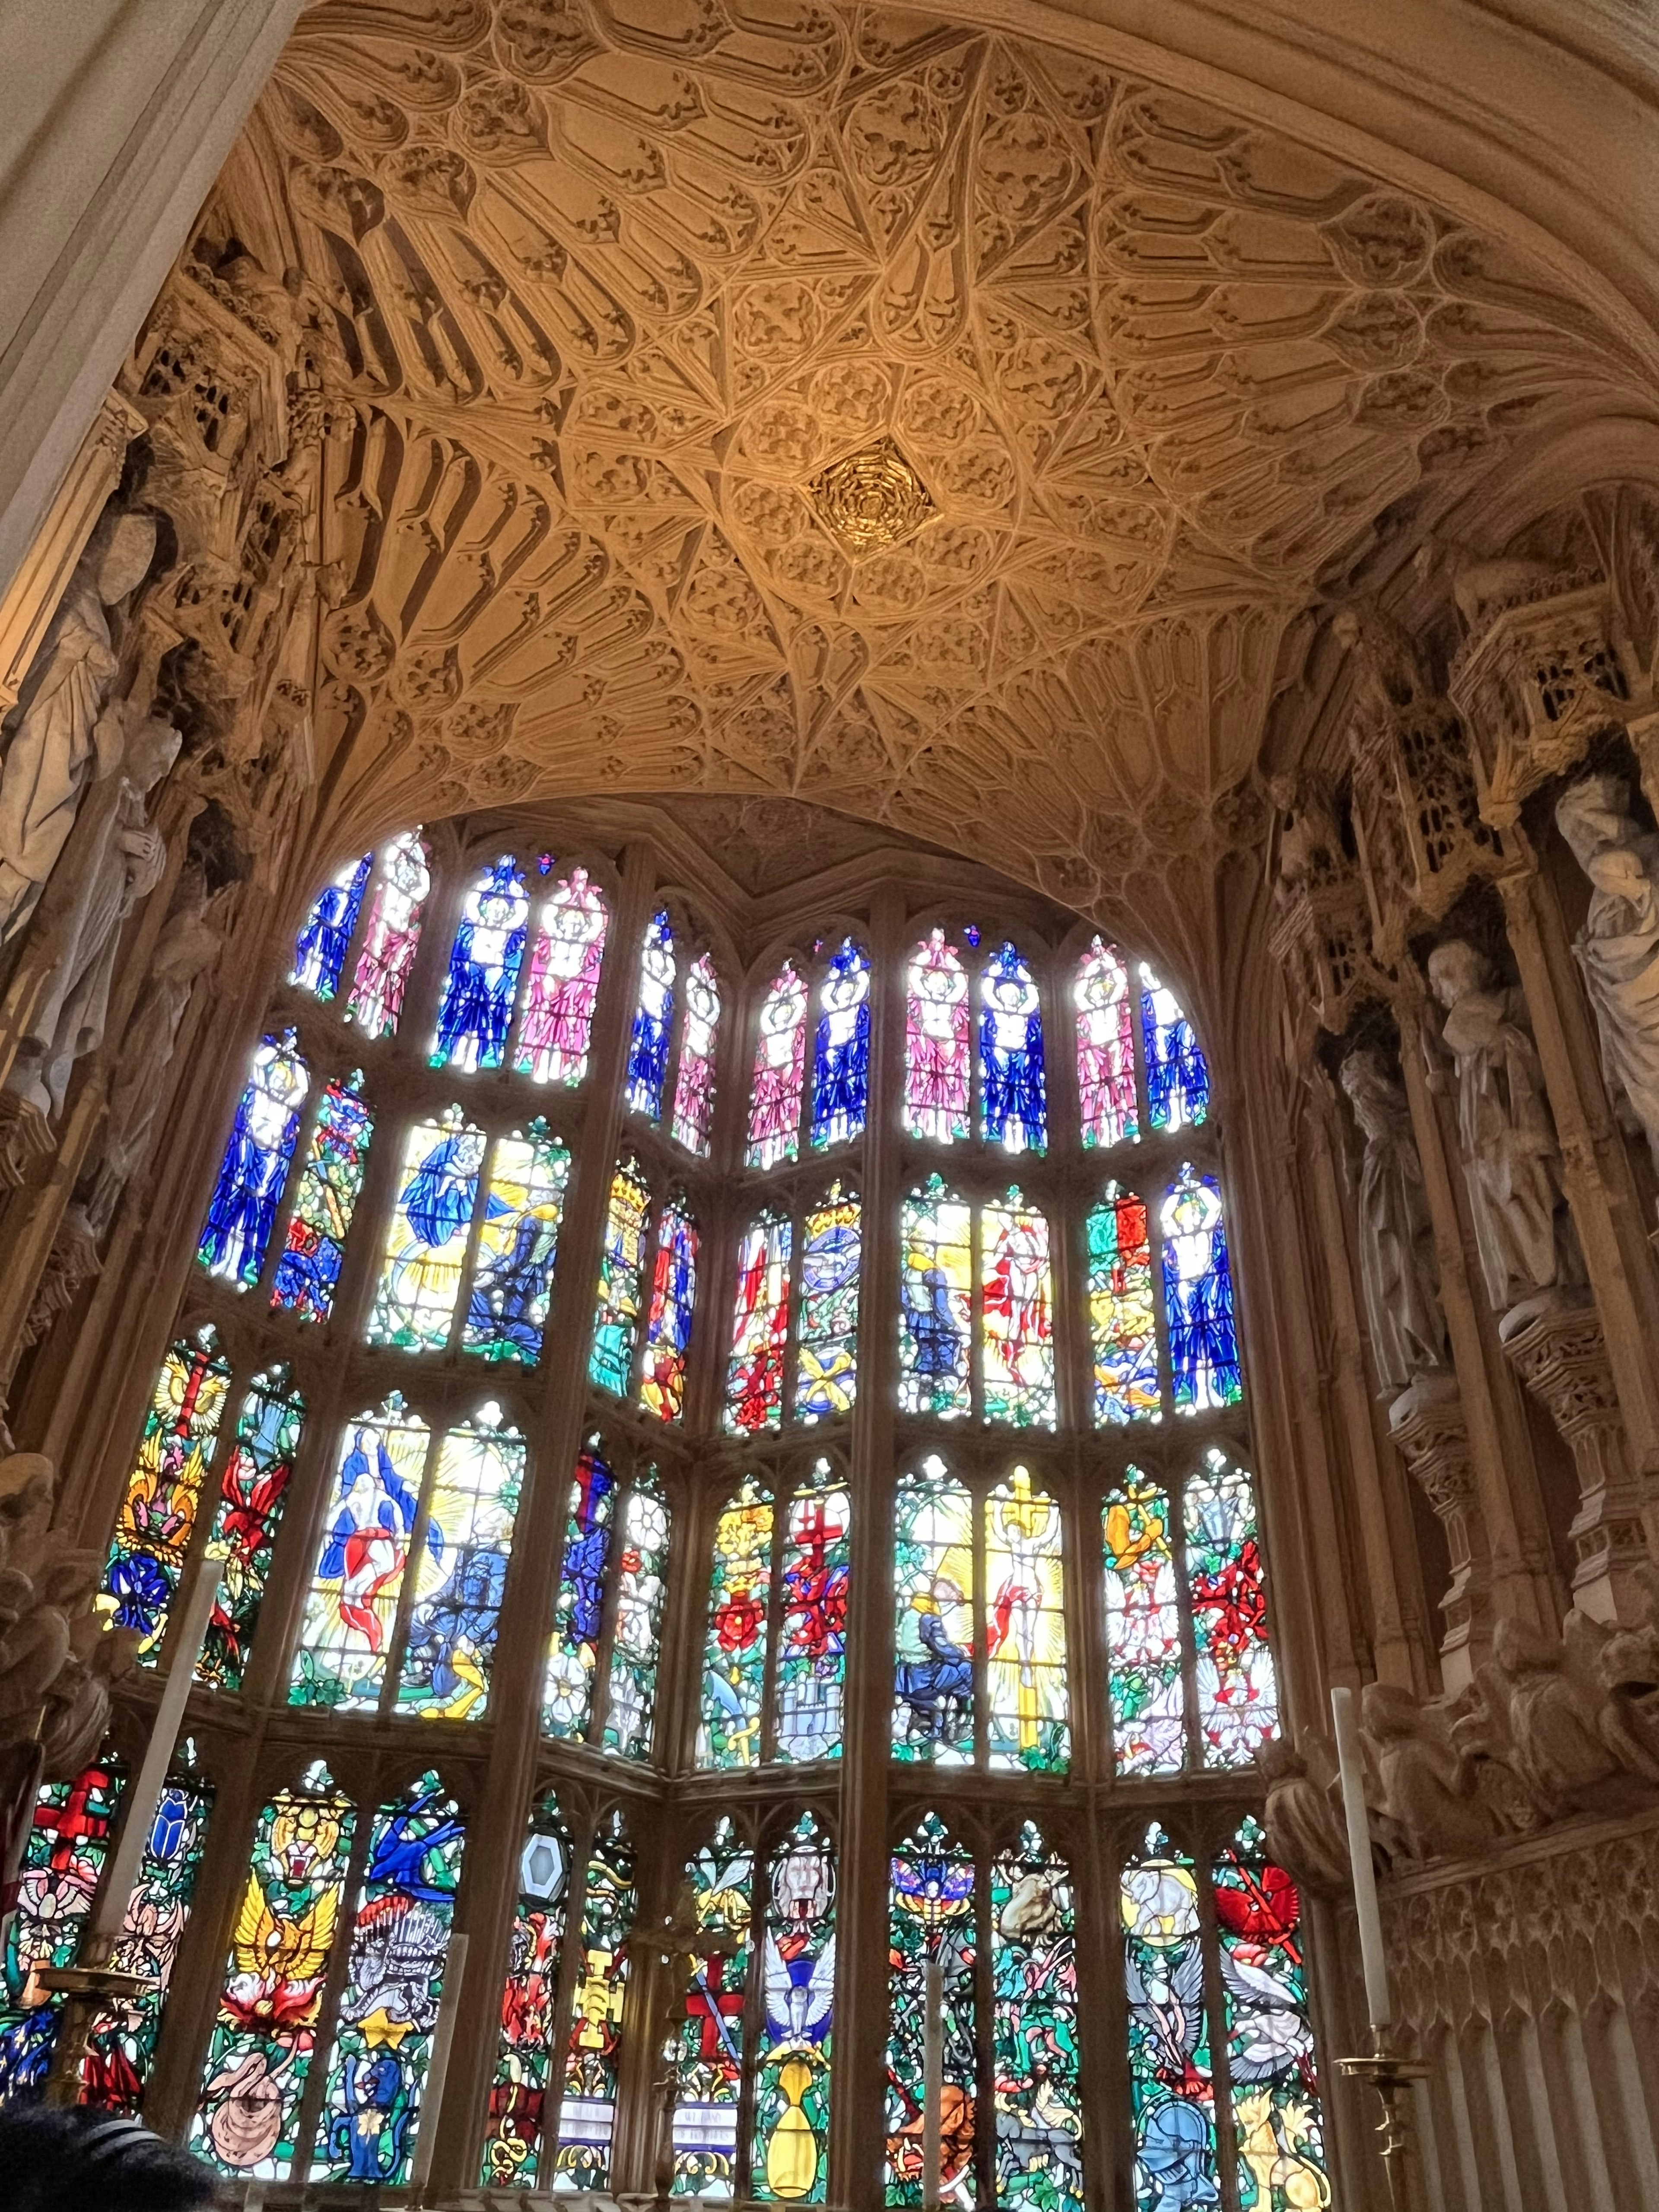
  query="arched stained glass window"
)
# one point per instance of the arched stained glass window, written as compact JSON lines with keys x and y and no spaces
{"x":636,"y":1637}
{"x":242,"y":1211}
{"x":426,"y":1238}
{"x":1018,"y":1304}
{"x":319,"y":950}
{"x":1171,"y":2085}
{"x":933,"y":1921}
{"x":760,"y":1328}
{"x":164,"y":1488}
{"x":668,"y":1317}
{"x":1198,"y":1296}
{"x":1121,"y":1317}
{"x":1026,"y":1702}
{"x":826,"y":1368}
{"x":1270,"y":2044}
{"x":587,"y":2106}
{"x":518,"y":1243}
{"x":449,"y":1645}
{"x":1177,"y":1076}
{"x":936,"y":1056}
{"x":1237,"y":1695}
{"x":735,"y":1652}
{"x":792,"y":2072}
{"x":654,"y":1019}
{"x":1035,"y":2056}
{"x":346,"y":1636}
{"x":578,"y":1607}
{"x":693,"y":1079}
{"x":612,"y":1582}
{"x":1145,"y":1675}
{"x":64,"y":1856}
{"x":476,"y":1011}
{"x":309,"y":1270}
{"x":617,"y":1318}
{"x":530,"y":2004}
{"x":841,"y":1053}
{"x":935,"y":1303}
{"x":1105,"y":1048}
{"x":774,"y":1101}
{"x":392,"y":937}
{"x":811,"y":1662}
{"x":557,"y":1026}
{"x":1012,"y":1380}
{"x":252,"y":1493}
{"x":934,"y":1585}
{"x":708,"y":2051}
{"x":1013,"y":1099}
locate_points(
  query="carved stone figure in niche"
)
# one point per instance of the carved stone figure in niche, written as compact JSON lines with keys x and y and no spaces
{"x":1618,"y":947}
{"x":1397,"y":1244}
{"x":1305,"y":1827}
{"x":63,"y":732}
{"x":1510,"y":1160}
{"x":1427,"y":1778}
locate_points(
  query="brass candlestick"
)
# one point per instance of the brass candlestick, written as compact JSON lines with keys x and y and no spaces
{"x":1393,"y":2079}
{"x":88,"y":1990}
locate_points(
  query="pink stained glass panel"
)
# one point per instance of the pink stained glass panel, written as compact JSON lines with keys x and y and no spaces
{"x":557,"y":1022}
{"x":780,"y":1073}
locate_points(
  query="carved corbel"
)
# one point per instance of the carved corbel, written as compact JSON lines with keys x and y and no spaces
{"x":1428,"y":1426}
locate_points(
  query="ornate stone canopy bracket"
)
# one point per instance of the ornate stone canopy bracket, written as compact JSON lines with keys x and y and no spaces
{"x":1426,"y":1423}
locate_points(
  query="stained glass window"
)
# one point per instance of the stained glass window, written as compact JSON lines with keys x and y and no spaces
{"x":426,"y":1238}
{"x":1105,"y":1048}
{"x":936,"y":1065}
{"x":668,"y":1317}
{"x":1270,"y":2044}
{"x":450,"y":1647}
{"x":694,"y":1080}
{"x":641,"y":1592}
{"x":588,"y":2108}
{"x":654,"y":1019}
{"x":1145,"y":1685}
{"x":1013,"y":1101}
{"x":557,"y":1026}
{"x":1198,"y":1296}
{"x":792,"y":2072}
{"x":265,"y":2034}
{"x":617,"y":1320}
{"x":475,"y":1010}
{"x":345,"y":1636}
{"x":1177,"y":1076}
{"x":324,"y":937}
{"x":734,"y":1649}
{"x":1025,"y":1700}
{"x":392,"y":937}
{"x":840,"y":1052}
{"x":933,"y":1638}
{"x":760,"y":1328}
{"x":64,"y":1855}
{"x":707,"y":2051}
{"x":518,"y":1242}
{"x":242,"y":1211}
{"x":1171,"y":2092}
{"x":812,"y":1662}
{"x":1019,"y":1329}
{"x":578,"y":1607}
{"x":826,"y":1369}
{"x":309,"y":1268}
{"x":517,"y":2095}
{"x":932,"y":1919}
{"x":158,"y":1510}
{"x":780,"y":1073}
{"x":936,"y":1298}
{"x":1039,"y":2105}
{"x":1238,"y":1697}
{"x":252,"y":1493}
{"x":393,"y":1982}
{"x":1121,"y":1319}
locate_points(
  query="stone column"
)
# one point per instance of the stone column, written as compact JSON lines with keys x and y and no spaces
{"x":1427,"y":1425}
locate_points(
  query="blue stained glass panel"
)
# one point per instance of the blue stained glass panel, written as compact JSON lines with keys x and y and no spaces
{"x":324,"y":1203}
{"x":654,"y":1019}
{"x":476,"y":1008}
{"x":1198,"y":1296}
{"x":1013,"y":1111}
{"x":450,"y":1649}
{"x":321,"y":949}
{"x":791,"y":2070}
{"x":1177,"y":1075}
{"x":242,"y":1211}
{"x":578,"y":1608}
{"x":841,"y":1049}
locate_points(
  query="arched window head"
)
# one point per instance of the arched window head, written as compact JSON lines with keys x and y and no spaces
{"x":654,"y":1019}
{"x":841,"y":1053}
{"x":1177,"y":1076}
{"x":694,"y":1080}
{"x":774,"y":1100}
{"x":826,"y":1368}
{"x":1198,"y":1295}
{"x":476,"y":1011}
{"x":1121,"y":1322}
{"x":1105,"y":1048}
{"x":558,"y":1028}
{"x":760,"y":1327}
{"x":321,"y":949}
{"x":936,"y":1054}
{"x":1013,"y":1099}
{"x":392,"y":937}
{"x":242,"y":1211}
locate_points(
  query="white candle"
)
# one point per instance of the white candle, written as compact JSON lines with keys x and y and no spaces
{"x":933,"y":2084}
{"x":426,"y":2142}
{"x":1372,"y":1958}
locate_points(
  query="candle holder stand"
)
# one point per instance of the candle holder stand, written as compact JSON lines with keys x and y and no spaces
{"x":88,"y":1988}
{"x":1393,"y":2080}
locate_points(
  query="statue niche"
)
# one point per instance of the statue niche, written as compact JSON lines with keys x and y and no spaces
{"x":1396,"y":1242}
{"x":1618,"y":947}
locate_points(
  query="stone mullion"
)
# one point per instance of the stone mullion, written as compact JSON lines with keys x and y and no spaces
{"x":1215,"y":2000}
{"x":1102,"y":2021}
{"x":397,"y":1640}
{"x":366,"y":1803}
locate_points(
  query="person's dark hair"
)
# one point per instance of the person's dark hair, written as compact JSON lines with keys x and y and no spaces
{"x":85,"y":2159}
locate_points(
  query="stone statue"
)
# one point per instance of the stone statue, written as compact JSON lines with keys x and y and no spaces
{"x":1510,"y":1160}
{"x":1618,"y":947}
{"x":1396,"y":1245}
{"x":1542,"y":1694}
{"x":62,"y":734}
{"x":1304,"y":1826}
{"x":1427,"y":1777}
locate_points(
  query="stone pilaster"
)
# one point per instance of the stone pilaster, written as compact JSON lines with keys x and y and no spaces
{"x":1428,"y":1426}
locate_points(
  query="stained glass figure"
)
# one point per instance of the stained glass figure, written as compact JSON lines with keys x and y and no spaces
{"x":326,"y":1196}
{"x":392,"y":937}
{"x":557,"y":1026}
{"x":393,"y":1983}
{"x":811,"y":1662}
{"x":1171,"y":2092}
{"x":935,"y":1301}
{"x":694,"y":1080}
{"x":572,"y":1653}
{"x":324,"y":937}
{"x":121,"y":2045}
{"x":265,"y":2036}
{"x":1025,"y":1695}
{"x":1105,"y":1048}
{"x":1013,"y":1099}
{"x":1270,"y":2044}
{"x":1018,"y":1331}
{"x":1237,"y":1694}
{"x":426,"y":1238}
{"x":932,"y":1919}
{"x":64,"y":1856}
{"x":653,"y":1019}
{"x":760,"y":1328}
{"x":1177,"y":1075}
{"x":840,"y":1051}
{"x":587,"y":2109}
{"x":933,"y":1636}
{"x":164,"y":1490}
{"x":1145,"y":1687}
{"x":734,"y":1649}
{"x":252,"y":1493}
{"x":242,"y":1211}
{"x":792,"y":2068}
{"x":514,"y":2136}
{"x":346,"y":1633}
{"x":706,"y":2052}
{"x":518,"y":1243}
{"x":936,"y":1065}
{"x":475,"y":1010}
{"x":780,"y":1073}
{"x":1121,"y":1319}
{"x":668,"y":1316}
{"x":826,"y":1360}
{"x":1034,"y":2031}
{"x":1198,"y":1296}
{"x":636,"y":1638}
{"x":461,"y":1572}
{"x":617,"y":1319}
